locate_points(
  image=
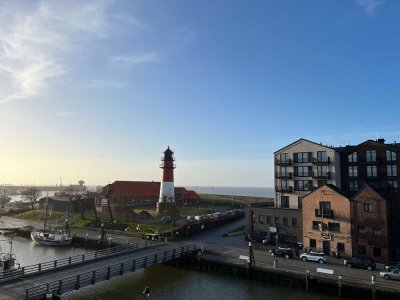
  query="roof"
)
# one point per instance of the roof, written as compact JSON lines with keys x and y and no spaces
{"x":132,"y":189}
{"x":371,"y":187}
{"x":350,"y":148}
{"x":332,"y":187}
{"x":302,"y":140}
{"x":187,"y":195}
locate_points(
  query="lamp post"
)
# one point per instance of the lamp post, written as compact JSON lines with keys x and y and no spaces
{"x":251,"y":256}
{"x":102,"y":231}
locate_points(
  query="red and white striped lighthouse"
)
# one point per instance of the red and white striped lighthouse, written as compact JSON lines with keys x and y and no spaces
{"x":167,"y":189}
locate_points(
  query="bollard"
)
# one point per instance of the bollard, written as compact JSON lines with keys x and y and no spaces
{"x":307,"y":281}
{"x":275,"y":263}
{"x":340,"y":285}
{"x":373,"y":287}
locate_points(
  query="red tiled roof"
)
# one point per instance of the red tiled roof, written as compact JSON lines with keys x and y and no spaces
{"x":132,"y":189}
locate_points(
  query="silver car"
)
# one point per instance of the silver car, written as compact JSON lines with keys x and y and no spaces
{"x":314,"y":256}
{"x":394,"y":274}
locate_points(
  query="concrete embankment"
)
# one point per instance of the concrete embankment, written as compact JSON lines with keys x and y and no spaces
{"x":309,"y":281}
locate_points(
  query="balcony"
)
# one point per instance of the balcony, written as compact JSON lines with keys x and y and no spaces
{"x":283,"y":162}
{"x":324,"y":213}
{"x":321,"y":175}
{"x":284,"y":189}
{"x":321,"y":161}
{"x":287,"y":175}
{"x":302,"y":174}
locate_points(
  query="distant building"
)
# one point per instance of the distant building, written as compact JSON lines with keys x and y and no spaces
{"x":63,"y":203}
{"x":124,"y":196}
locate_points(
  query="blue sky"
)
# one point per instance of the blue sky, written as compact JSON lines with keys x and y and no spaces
{"x":97,"y":90}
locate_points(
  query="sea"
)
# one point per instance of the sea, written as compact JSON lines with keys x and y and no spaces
{"x":234,"y":190}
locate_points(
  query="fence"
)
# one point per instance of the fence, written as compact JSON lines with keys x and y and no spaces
{"x":68,"y":284}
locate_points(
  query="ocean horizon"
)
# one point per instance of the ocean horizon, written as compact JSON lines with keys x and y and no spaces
{"x":234,"y":191}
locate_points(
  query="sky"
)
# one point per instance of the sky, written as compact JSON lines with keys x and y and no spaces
{"x":97,"y":90}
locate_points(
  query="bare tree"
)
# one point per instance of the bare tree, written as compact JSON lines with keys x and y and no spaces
{"x":31,"y":195}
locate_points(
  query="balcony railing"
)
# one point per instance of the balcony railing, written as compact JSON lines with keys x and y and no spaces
{"x":322,"y":175}
{"x":284,"y":189}
{"x":321,"y":161}
{"x":302,"y":174}
{"x":324,"y":213}
{"x":287,"y":175}
{"x":284,"y":162}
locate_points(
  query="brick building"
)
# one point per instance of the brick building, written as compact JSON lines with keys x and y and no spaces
{"x":370,"y":215}
{"x":327,"y":222}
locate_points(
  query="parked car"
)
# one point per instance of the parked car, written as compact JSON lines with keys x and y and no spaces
{"x":394,"y":274}
{"x":282,"y":252}
{"x":395,"y":266}
{"x":361,"y":262}
{"x":166,"y":219}
{"x":314,"y":256}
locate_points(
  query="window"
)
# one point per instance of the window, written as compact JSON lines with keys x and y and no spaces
{"x":340,"y":247}
{"x":285,"y":221}
{"x":377,"y":231}
{"x":269,"y":220}
{"x":284,"y":157}
{"x":260,"y":219}
{"x":285,"y":201}
{"x":284,"y":171}
{"x":284,"y":185}
{"x":361,"y":229}
{"x":391,"y":170}
{"x":294,"y":222}
{"x":322,"y":156}
{"x":352,"y":157}
{"x":377,"y":252}
{"x":322,"y":182}
{"x":276,"y":220}
{"x":302,"y":185}
{"x":316,"y":225}
{"x":361,"y":250}
{"x":313,"y":243}
{"x":302,"y":171}
{"x":302,"y":157}
{"x":393,"y":185}
{"x":322,"y":171}
{"x":372,"y":171}
{"x":371,"y":155}
{"x":334,"y":227}
{"x":325,"y":206}
{"x":390,"y":156}
{"x":353,"y":186}
{"x":353,"y":172}
{"x":368,"y":207}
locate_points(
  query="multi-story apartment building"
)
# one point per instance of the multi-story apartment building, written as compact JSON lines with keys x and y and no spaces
{"x":302,"y":167}
{"x":377,"y":164}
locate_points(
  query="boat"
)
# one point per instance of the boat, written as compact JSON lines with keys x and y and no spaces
{"x":8,"y":265}
{"x":50,"y":238}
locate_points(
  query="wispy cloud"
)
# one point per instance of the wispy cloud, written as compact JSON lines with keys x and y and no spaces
{"x":370,"y":6}
{"x":105,"y":84}
{"x":135,"y":59}
{"x":37,"y":37}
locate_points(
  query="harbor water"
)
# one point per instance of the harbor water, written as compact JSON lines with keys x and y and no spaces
{"x":165,"y":282}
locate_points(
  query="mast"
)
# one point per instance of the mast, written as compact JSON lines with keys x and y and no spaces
{"x":45,"y":215}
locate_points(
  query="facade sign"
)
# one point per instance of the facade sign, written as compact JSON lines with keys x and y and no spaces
{"x":326,"y":236}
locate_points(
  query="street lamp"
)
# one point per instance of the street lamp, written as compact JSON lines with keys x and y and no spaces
{"x":102,"y":230}
{"x":251,"y":255}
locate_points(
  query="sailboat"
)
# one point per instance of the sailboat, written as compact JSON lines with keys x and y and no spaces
{"x":8,"y":265}
{"x":50,"y":238}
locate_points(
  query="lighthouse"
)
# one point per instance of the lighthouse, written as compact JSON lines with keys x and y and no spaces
{"x":167,"y":190}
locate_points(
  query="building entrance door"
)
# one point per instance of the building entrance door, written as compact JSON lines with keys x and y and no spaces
{"x":326,"y":246}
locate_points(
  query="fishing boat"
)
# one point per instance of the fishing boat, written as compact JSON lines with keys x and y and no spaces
{"x":50,"y":238}
{"x":8,"y":265}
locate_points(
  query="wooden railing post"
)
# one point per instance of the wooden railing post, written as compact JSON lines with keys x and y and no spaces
{"x":83,"y":257}
{"x":95,"y":254}
{"x":155,"y":258}
{"x":27,"y":293}
{"x":121,"y":272}
{"x":78,"y":282}
{"x":60,"y":287}
{"x":40,"y":267}
{"x":94,"y":277}
{"x":173,"y":254}
{"x":145,"y":262}
{"x":165,"y":256}
{"x":55,"y":264}
{"x":108,"y":273}
{"x":69,"y":260}
{"x":134,"y":265}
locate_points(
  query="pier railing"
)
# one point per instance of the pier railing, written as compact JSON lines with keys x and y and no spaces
{"x":68,"y":261}
{"x":68,"y":284}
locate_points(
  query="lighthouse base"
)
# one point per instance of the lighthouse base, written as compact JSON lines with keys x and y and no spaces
{"x":167,"y":208}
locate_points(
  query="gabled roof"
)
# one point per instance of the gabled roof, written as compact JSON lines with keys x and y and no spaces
{"x":350,"y":148}
{"x":373,"y":189}
{"x":332,"y":187}
{"x":302,"y":140}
